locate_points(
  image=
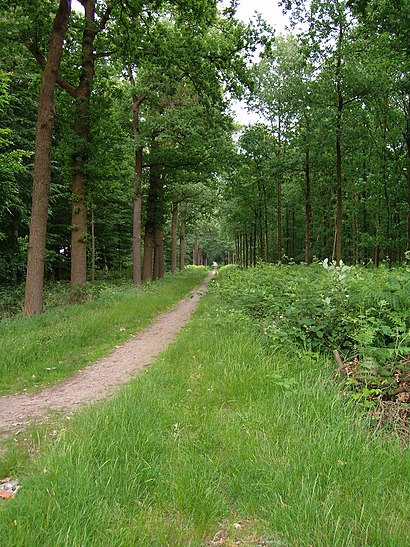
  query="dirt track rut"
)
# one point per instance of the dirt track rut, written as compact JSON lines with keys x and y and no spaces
{"x":101,"y":379}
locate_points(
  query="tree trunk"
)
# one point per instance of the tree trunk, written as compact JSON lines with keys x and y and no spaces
{"x":137,"y":199}
{"x":354,"y":229}
{"x":279,"y":222}
{"x":33,"y":300}
{"x":136,"y":238}
{"x":261,"y":242}
{"x":308,"y":207}
{"x":80,"y":156}
{"x":148,"y":255}
{"x":339,"y":184}
{"x":254,"y":243}
{"x":195,"y":251}
{"x":182,"y":247}
{"x":174,"y":225}
{"x":339,"y":152}
{"x":408,"y":174}
{"x":92,"y":245}
{"x":153,"y":222}
{"x":266,"y":223}
{"x":158,"y":255}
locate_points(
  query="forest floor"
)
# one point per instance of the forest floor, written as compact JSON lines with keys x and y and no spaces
{"x":100,"y":380}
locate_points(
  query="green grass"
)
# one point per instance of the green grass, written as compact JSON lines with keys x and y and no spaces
{"x":220,"y":437}
{"x":37,"y":351}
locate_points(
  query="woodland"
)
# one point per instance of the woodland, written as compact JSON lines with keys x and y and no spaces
{"x":280,"y":413}
{"x":119,"y":149}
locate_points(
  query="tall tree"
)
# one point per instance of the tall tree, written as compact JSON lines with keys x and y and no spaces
{"x":81,"y":95}
{"x":33,"y":300}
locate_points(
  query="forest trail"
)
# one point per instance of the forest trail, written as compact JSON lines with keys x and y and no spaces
{"x":102,"y":379}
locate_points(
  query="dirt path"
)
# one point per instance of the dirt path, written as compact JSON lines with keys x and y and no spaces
{"x":100,"y":380}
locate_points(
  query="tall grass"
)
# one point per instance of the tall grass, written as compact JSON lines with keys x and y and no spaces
{"x":43,"y":349}
{"x":220,"y":439}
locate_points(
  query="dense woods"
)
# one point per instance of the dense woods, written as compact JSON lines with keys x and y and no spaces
{"x":119,"y":149}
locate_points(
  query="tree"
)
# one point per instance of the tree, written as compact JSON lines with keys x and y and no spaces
{"x":33,"y":300}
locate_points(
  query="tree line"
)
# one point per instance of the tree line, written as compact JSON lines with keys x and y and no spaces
{"x":129,"y":128}
{"x":327,"y":172}
{"x":118,"y":147}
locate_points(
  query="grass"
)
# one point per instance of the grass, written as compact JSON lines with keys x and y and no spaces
{"x":220,"y":439}
{"x":41,"y":350}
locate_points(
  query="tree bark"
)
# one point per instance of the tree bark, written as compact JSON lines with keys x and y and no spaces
{"x":148,"y":255}
{"x":254,"y":243}
{"x":182,"y":247}
{"x":136,"y":238}
{"x":195,"y":254}
{"x":174,"y":224}
{"x":408,"y":173}
{"x":33,"y":300}
{"x":354,"y":228}
{"x":266,"y":223}
{"x":80,"y":156}
{"x":339,"y":151}
{"x":158,"y":268}
{"x":279,"y":222}
{"x":308,"y":207}
{"x":154,"y":221}
{"x":92,"y":245}
{"x":137,"y":199}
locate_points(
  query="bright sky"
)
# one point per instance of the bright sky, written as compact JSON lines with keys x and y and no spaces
{"x":272,"y":13}
{"x":269,"y":9}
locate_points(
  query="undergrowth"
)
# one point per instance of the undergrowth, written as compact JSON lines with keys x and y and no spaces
{"x":362,"y":313}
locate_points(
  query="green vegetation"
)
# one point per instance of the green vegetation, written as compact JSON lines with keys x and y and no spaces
{"x":353,"y":309}
{"x":323,"y":173}
{"x":363,"y":313}
{"x":38,"y":351}
{"x":243,"y":430}
{"x":223,"y":437}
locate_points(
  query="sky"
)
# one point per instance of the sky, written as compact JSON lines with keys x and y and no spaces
{"x":269,"y":9}
{"x":272,"y":13}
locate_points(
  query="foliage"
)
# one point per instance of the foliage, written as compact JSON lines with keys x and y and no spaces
{"x":363,"y":313}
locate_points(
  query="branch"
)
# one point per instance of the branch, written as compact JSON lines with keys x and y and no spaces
{"x":355,"y":98}
{"x":138,"y":100}
{"x":186,"y":198}
{"x":42,"y":61}
{"x":105,"y":53}
{"x":338,"y":359}
{"x":104,"y":19}
{"x":131,"y":76}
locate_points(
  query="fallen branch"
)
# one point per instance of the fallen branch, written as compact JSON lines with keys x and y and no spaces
{"x":338,"y":359}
